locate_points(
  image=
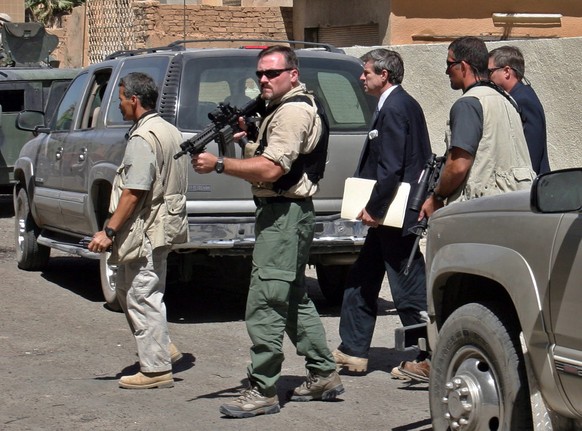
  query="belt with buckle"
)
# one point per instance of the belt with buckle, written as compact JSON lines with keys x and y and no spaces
{"x":277,"y":200}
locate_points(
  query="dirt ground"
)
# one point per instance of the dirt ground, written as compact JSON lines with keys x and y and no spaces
{"x":62,"y":353}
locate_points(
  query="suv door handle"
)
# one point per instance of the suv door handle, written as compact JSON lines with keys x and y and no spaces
{"x":59,"y":153}
{"x":83,"y":155}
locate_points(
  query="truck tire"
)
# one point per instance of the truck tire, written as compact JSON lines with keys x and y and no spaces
{"x":478,"y":377}
{"x":108,"y":274}
{"x":332,"y":281}
{"x":30,"y":255}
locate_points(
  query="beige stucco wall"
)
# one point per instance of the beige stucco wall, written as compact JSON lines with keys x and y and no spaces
{"x":340,"y":13}
{"x":412,"y":21}
{"x":552,"y":66}
{"x":405,"y":21}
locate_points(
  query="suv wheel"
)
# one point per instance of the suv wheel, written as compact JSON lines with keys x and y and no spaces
{"x":478,"y":377}
{"x":332,"y":281}
{"x":108,"y":274}
{"x":30,"y":255}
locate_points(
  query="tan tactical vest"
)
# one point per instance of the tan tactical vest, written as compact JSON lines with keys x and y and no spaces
{"x":161,"y":213}
{"x":502,"y":162}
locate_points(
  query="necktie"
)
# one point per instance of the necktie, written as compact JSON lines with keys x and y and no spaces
{"x":376,"y":112}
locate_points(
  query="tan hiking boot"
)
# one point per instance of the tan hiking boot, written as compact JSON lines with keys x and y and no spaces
{"x":319,"y":388}
{"x":251,"y":403}
{"x":175,"y":354}
{"x":351,"y":363}
{"x":147,"y":380}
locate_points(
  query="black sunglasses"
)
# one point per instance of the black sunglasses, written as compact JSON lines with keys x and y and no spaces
{"x":272,"y":73}
{"x":452,"y":63}
{"x":495,"y":69}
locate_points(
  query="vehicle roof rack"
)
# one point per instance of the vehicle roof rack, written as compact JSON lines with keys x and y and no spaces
{"x":132,"y":52}
{"x":180,"y":45}
{"x":326,"y":46}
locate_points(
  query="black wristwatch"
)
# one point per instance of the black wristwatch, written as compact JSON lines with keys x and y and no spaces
{"x":110,"y":232}
{"x":219,"y":166}
{"x":438,"y":197}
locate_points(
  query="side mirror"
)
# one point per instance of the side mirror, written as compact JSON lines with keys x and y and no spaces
{"x":557,"y":191}
{"x":31,"y":121}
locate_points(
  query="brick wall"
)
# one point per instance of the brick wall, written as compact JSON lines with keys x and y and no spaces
{"x":158,"y":24}
{"x":161,"y":24}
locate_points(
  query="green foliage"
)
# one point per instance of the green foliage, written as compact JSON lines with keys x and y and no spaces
{"x":49,"y":11}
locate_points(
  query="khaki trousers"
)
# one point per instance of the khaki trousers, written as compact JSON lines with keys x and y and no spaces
{"x":140,"y":290}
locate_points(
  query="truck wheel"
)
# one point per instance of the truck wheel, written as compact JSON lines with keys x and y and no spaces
{"x":108,"y":275}
{"x":30,"y":255}
{"x":478,"y":378}
{"x":332,"y":281}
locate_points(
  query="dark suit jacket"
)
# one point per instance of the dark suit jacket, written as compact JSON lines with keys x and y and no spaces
{"x":397,"y":154}
{"x":534,"y":126}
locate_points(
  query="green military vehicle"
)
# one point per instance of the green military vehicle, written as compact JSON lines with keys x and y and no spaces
{"x":27,"y":81}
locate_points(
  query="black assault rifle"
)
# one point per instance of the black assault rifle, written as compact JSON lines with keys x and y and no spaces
{"x":426,"y":184}
{"x":224,"y":124}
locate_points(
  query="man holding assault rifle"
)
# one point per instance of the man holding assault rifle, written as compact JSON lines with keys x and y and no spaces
{"x":284,"y":166}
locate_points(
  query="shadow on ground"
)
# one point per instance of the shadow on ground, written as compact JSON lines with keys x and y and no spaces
{"x":214,"y":295}
{"x":6,"y":206}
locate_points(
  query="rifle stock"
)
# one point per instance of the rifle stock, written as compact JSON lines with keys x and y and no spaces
{"x":224,"y":123}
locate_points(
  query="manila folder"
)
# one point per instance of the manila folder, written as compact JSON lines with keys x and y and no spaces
{"x":357,"y":192}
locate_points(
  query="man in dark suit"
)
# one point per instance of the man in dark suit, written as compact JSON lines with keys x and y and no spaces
{"x":507,"y":69}
{"x":396,"y":151}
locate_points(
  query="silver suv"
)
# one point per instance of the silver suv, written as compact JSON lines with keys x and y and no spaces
{"x":504,"y":294}
{"x":65,"y":173}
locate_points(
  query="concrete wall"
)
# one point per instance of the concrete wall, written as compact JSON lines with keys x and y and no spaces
{"x":552,"y":66}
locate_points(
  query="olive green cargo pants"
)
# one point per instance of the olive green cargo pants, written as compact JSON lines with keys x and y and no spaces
{"x":277,"y":302}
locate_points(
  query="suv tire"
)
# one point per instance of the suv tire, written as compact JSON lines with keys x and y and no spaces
{"x":30,"y":255}
{"x":108,"y":275}
{"x":478,"y":377}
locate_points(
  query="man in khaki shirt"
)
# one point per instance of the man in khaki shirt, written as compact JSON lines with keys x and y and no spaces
{"x":286,"y":164}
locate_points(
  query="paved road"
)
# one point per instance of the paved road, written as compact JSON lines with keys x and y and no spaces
{"x":62,"y":352}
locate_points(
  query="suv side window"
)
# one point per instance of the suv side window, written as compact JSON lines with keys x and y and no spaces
{"x":344,"y":109}
{"x":153,"y":66}
{"x":206,"y":82}
{"x":97,"y":89}
{"x":63,"y":119}
{"x":347,"y":106}
{"x":56,"y":92}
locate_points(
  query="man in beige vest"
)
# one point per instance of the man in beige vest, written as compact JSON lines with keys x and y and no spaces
{"x":148,"y":207}
{"x":487,"y":150}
